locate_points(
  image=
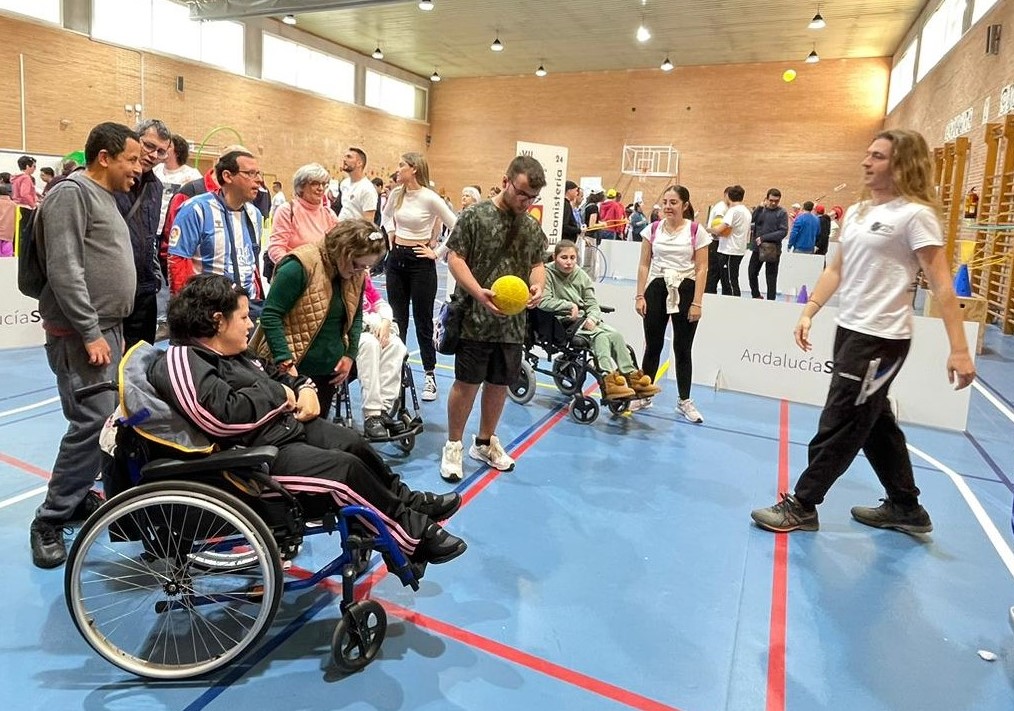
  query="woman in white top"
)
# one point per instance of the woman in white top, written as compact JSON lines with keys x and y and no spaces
{"x":671,"y":278}
{"x":885,"y":240}
{"x":414,"y":214}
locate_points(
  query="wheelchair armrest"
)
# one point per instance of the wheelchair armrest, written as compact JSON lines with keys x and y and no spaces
{"x":606,"y":309}
{"x":250,"y":458}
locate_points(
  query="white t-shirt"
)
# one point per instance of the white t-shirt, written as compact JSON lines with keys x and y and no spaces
{"x":419,"y":211}
{"x":277,"y":200}
{"x":879,"y":265}
{"x":358,"y":198}
{"x":172,"y":181}
{"x":673,"y":250}
{"x":737,"y":217}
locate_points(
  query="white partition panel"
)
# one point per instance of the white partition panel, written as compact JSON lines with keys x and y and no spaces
{"x":20,"y":323}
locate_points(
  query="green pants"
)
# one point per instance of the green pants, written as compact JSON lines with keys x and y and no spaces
{"x":610,"y":349}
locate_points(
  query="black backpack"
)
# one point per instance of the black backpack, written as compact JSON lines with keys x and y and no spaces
{"x":31,"y":264}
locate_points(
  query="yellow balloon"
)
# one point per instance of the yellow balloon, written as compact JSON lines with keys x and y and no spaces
{"x":788,"y":75}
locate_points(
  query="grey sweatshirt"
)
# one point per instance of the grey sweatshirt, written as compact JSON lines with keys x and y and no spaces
{"x":85,"y":245}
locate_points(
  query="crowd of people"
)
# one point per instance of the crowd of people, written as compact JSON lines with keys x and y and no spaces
{"x":131,"y":210}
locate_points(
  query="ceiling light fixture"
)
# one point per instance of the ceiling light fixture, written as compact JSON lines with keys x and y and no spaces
{"x":434,"y":77}
{"x":289,"y":19}
{"x":666,"y":66}
{"x":425,"y":4}
{"x":541,"y":71}
{"x":817,"y":23}
{"x":642,"y":34}
{"x":378,"y":53}
{"x":813,"y":57}
{"x":497,"y":45}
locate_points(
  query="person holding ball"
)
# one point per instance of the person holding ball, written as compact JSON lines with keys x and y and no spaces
{"x":491,"y":239}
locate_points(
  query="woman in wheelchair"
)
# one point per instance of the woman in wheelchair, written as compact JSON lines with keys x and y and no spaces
{"x":379,"y":366}
{"x":570,"y":295}
{"x":208,"y":376}
{"x":312,"y":318}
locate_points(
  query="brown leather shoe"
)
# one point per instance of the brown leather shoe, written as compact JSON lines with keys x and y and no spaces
{"x":617,"y":388}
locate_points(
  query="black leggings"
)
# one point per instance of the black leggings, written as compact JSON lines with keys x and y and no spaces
{"x":655,"y":321}
{"x":413,"y":279}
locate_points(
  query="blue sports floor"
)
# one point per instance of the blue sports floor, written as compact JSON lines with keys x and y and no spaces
{"x":616,"y":567}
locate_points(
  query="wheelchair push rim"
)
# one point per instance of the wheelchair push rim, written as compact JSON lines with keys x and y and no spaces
{"x":152,"y":606}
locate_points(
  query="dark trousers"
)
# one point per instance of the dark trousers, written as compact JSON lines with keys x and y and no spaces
{"x":140,"y":325}
{"x":770,"y":274}
{"x":325,"y":392}
{"x":730,"y":273}
{"x":337,"y":462}
{"x":714,"y":269}
{"x":655,"y":322}
{"x":857,"y":416}
{"x":412,"y":279}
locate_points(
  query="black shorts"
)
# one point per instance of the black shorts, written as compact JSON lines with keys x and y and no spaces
{"x":477,"y":362}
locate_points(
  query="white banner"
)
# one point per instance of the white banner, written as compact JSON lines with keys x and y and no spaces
{"x":20,"y":323}
{"x":747,"y":345}
{"x":548,"y":210}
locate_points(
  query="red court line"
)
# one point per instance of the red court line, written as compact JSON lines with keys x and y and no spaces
{"x":25,"y":466}
{"x":516,"y":656}
{"x":779,"y":581}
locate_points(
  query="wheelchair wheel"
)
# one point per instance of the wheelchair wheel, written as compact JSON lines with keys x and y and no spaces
{"x":173,"y":580}
{"x":618,"y":408}
{"x":358,"y":635}
{"x":407,"y":443}
{"x":584,"y":410}
{"x":568,"y":376}
{"x":523,"y":389}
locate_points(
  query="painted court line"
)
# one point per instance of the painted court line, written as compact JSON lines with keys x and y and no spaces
{"x":33,"y":406}
{"x":775,"y":700}
{"x":21,"y":497}
{"x":1004,"y":410}
{"x":987,"y":525}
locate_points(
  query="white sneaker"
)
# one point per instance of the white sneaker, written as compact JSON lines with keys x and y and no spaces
{"x":492,"y":454}
{"x":450,"y":461}
{"x":429,"y":388}
{"x":689,"y":411}
{"x":642,"y":403}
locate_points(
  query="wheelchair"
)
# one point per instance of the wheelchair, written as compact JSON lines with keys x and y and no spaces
{"x":571,"y":362}
{"x":180,"y":572}
{"x":409,"y":421}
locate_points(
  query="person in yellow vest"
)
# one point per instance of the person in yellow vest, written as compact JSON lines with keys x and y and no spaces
{"x":313,"y":316}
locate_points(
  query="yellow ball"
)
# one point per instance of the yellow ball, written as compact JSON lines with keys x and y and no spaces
{"x":717,"y":222}
{"x":788,"y":75}
{"x":510,"y":294}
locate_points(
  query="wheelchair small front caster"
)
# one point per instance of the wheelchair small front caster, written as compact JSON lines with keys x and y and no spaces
{"x":618,"y":407}
{"x":584,"y":410}
{"x":407,"y":443}
{"x":358,"y":635}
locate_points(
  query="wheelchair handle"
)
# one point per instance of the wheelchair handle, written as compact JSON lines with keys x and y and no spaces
{"x":89,"y":390}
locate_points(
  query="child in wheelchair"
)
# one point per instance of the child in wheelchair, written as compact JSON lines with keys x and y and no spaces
{"x":570,"y":295}
{"x":208,"y":377}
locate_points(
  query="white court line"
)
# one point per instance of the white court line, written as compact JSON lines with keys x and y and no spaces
{"x":21,"y":497}
{"x":993,"y":399}
{"x":990,"y":529}
{"x":25,"y":408}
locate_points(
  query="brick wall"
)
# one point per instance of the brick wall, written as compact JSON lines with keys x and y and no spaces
{"x":69,"y":77}
{"x":732,"y":124}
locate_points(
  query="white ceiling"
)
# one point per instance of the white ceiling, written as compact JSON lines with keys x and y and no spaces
{"x":587,"y":35}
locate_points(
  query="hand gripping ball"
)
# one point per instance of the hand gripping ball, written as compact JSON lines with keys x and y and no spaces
{"x":510,"y":294}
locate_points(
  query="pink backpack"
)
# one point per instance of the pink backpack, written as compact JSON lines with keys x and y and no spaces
{"x":693,"y":233}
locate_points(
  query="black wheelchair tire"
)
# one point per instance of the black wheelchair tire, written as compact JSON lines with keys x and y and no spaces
{"x":523,"y":389}
{"x":569,"y":376}
{"x":358,"y":635}
{"x":584,"y":410}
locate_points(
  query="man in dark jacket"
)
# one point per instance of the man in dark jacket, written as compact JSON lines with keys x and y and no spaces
{"x":141,"y":209}
{"x":770,"y":225}
{"x":571,"y":227}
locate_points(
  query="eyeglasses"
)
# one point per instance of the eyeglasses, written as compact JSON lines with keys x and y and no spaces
{"x":525,"y":197}
{"x":316,"y":184}
{"x":150,"y":147}
{"x":252,"y":174}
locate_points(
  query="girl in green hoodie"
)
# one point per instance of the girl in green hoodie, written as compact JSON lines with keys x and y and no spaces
{"x":570,"y":295}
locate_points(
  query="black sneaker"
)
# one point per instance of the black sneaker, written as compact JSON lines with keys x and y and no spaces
{"x":787,"y":515}
{"x":374,"y":428}
{"x":89,"y":505}
{"x":910,"y":519}
{"x":439,"y":546}
{"x":394,"y":426}
{"x":439,"y":506}
{"x":48,"y":548}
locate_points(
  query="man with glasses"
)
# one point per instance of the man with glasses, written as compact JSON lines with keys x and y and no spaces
{"x":491,"y":239}
{"x":770,"y":224}
{"x":141,"y":209}
{"x":219,"y":232}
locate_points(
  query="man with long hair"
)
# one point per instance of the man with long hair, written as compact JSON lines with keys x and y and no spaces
{"x":892,"y":233}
